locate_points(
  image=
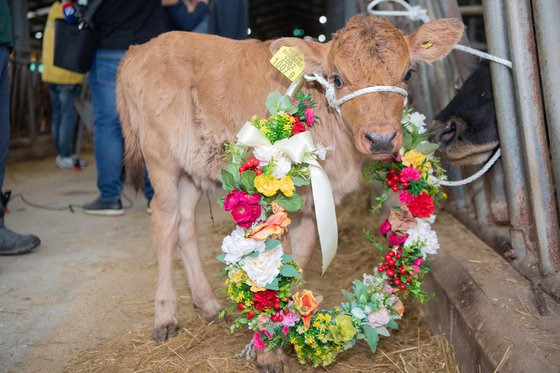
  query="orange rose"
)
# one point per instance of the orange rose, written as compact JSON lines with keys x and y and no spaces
{"x":307,"y":305}
{"x":399,"y":307}
{"x":275,"y":225}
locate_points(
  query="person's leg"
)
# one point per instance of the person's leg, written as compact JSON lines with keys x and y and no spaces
{"x":55,"y":116}
{"x":68,"y":118}
{"x":108,"y":138}
{"x":11,"y":243}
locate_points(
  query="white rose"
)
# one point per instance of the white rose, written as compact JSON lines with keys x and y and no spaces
{"x":418,"y":120}
{"x":265,"y":153}
{"x":264,"y":268}
{"x":235,"y":246}
{"x":423,"y":234}
{"x":282,"y":167}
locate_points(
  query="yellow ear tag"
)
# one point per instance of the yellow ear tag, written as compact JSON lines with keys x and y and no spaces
{"x":427,"y":44}
{"x":289,"y":61}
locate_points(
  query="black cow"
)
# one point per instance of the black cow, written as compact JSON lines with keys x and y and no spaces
{"x":466,"y":128}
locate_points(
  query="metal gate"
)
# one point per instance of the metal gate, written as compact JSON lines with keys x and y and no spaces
{"x":514,"y":208}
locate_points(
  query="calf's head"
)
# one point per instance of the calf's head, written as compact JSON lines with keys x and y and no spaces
{"x":466,"y":128}
{"x":369,"y":51}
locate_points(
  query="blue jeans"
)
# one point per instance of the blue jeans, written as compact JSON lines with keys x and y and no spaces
{"x":4,"y":111}
{"x":64,"y":116}
{"x":108,"y":138}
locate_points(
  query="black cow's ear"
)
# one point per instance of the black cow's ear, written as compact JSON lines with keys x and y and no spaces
{"x":435,"y":39}
{"x":315,"y":54}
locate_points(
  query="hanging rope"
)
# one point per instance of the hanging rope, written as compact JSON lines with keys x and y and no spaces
{"x":417,"y":13}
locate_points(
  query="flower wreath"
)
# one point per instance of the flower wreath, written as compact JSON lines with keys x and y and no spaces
{"x":261,"y":278}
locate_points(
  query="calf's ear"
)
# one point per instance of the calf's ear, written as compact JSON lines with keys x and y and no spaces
{"x":435,"y":39}
{"x":315,"y":54}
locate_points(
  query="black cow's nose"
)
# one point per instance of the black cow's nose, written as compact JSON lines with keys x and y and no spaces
{"x":444,"y":134}
{"x":381,"y":143}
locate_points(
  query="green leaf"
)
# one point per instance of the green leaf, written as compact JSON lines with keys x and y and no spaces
{"x":271,"y":243}
{"x":221,"y":201}
{"x":426,"y":147}
{"x":221,"y":258}
{"x":407,"y":141}
{"x":393,"y":325}
{"x":288,"y":270}
{"x":291,"y":204}
{"x":273,"y":285}
{"x":242,"y":320}
{"x":276,"y":102}
{"x":300,"y":180}
{"x":381,"y":330}
{"x":286,"y":258}
{"x":248,"y":181}
{"x":228,"y":181}
{"x":348,"y":295}
{"x":371,"y":337}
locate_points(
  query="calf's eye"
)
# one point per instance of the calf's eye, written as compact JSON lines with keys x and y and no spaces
{"x":337,"y":81}
{"x":408,"y":76}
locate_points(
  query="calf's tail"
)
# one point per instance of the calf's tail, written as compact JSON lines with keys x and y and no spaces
{"x":133,"y":158}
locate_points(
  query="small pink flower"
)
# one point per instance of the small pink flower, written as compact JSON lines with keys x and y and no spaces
{"x":379,"y":318}
{"x":409,"y":173}
{"x":416,"y":268}
{"x":309,"y":116}
{"x":418,"y":261}
{"x":242,"y":214}
{"x":232,"y":199}
{"x":268,"y":335}
{"x":398,"y":158}
{"x":388,"y":289}
{"x":395,"y":239}
{"x":291,"y":319}
{"x":405,"y":197}
{"x":257,"y":342}
{"x":249,"y":198}
{"x":385,"y":227}
{"x":285,"y":331}
{"x":294,"y":101}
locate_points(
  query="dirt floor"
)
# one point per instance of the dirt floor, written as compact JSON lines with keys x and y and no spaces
{"x":84,"y":300}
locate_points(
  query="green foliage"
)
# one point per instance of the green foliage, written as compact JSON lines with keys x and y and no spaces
{"x":291,"y":204}
{"x":278,"y":103}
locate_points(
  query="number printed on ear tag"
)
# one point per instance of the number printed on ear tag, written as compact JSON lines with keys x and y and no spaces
{"x":289,"y":61}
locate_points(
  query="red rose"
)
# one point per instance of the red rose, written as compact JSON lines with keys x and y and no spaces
{"x":422,"y":206}
{"x":298,"y":126}
{"x":264,"y":299}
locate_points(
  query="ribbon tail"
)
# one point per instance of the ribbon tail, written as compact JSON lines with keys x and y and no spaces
{"x":324,"y":213}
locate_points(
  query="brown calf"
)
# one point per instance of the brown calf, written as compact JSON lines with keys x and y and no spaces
{"x":182,"y":96}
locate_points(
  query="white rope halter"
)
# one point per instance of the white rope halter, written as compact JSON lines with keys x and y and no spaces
{"x":417,"y":13}
{"x":335,"y":102}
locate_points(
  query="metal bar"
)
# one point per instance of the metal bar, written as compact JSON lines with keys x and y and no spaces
{"x":502,"y":83}
{"x":545,"y":13}
{"x":534,"y":141}
{"x":470,"y":10}
{"x":498,"y":203}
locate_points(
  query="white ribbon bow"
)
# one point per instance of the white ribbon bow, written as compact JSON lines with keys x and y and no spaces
{"x":299,"y":148}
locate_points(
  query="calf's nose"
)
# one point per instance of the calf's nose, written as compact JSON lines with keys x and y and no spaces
{"x":381,"y":143}
{"x":444,"y":134}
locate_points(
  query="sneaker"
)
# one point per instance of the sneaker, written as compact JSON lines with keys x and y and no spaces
{"x":64,"y":162}
{"x":149,"y":208}
{"x":104,"y":207}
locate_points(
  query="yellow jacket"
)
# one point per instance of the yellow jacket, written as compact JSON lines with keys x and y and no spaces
{"x":52,"y":73}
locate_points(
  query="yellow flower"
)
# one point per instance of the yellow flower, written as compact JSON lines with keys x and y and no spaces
{"x":237,"y":276}
{"x":288,"y":118}
{"x":287,"y":186}
{"x":316,"y":324}
{"x":415,"y":159}
{"x":267,"y":185}
{"x":309,"y":340}
{"x":254,"y":287}
{"x":328,"y":317}
{"x":343,"y":331}
{"x":293,"y":340}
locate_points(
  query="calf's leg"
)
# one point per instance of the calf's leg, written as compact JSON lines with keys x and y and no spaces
{"x":202,"y":293}
{"x":165,"y":223}
{"x":303,"y":236}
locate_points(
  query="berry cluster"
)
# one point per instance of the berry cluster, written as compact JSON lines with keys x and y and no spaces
{"x":394,"y":268}
{"x":251,"y":164}
{"x":278,"y":316}
{"x":394,"y":179}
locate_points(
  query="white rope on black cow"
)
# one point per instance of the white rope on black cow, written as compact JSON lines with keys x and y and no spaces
{"x":417,"y":13}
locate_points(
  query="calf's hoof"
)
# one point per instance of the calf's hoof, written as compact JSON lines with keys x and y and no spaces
{"x":270,"y":361}
{"x":210,"y":311}
{"x":163,"y":332}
